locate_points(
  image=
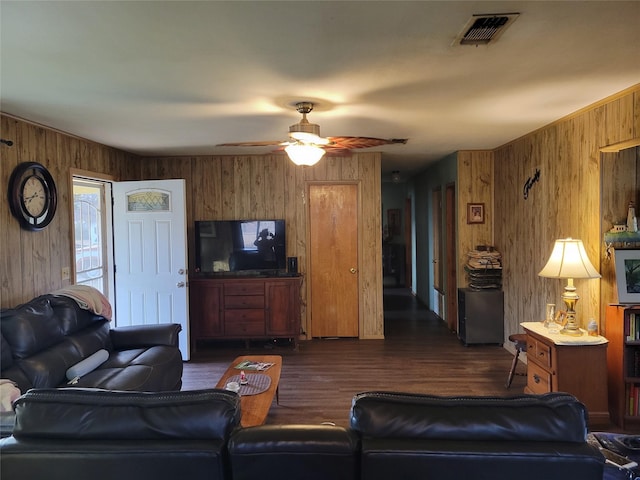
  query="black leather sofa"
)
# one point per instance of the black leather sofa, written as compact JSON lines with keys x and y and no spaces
{"x":45,"y":337}
{"x":75,"y":434}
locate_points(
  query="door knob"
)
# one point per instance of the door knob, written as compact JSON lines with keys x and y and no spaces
{"x":181,"y":271}
{"x":180,"y":284}
{"x":353,"y":270}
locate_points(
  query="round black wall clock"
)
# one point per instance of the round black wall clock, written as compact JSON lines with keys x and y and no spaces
{"x":32,"y":195}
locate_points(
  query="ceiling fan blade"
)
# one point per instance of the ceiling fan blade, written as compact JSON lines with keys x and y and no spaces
{"x":251,"y":144}
{"x":348,"y":143}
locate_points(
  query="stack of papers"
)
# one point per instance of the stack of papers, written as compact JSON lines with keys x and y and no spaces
{"x":250,"y":365}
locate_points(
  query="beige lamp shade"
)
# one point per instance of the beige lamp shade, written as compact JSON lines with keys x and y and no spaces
{"x":569,"y":260}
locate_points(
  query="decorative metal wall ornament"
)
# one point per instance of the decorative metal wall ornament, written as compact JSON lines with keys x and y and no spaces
{"x":531,"y":181}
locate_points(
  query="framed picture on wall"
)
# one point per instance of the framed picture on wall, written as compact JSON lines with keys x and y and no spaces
{"x":628,"y":275}
{"x":475,"y":212}
{"x":393,"y":219}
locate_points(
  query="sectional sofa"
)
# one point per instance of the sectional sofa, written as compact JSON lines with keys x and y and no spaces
{"x":74,"y":434}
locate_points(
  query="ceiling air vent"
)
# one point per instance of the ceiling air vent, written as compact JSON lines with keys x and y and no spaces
{"x":483,"y":29}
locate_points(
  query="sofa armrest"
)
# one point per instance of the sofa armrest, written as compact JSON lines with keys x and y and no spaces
{"x":145,"y":336}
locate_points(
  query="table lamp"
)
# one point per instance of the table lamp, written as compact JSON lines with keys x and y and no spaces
{"x":569,"y":260}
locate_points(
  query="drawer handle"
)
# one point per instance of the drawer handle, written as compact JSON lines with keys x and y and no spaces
{"x":536,"y":378}
{"x":541,"y":354}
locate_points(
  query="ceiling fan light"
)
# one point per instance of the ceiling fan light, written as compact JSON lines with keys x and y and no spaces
{"x":307,"y":155}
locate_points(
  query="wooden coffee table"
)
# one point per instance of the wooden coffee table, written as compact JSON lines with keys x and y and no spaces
{"x":255,"y":408}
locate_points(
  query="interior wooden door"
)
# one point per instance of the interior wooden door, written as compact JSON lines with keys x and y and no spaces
{"x":333,"y":260}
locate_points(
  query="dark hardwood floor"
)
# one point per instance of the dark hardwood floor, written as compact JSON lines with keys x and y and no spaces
{"x":419,"y":354}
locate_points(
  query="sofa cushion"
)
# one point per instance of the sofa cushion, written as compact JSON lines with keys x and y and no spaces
{"x":312,"y":452}
{"x":142,"y":369}
{"x":72,"y":318}
{"x":48,"y":367}
{"x":76,"y":414}
{"x":553,"y":417}
{"x":31,"y":327}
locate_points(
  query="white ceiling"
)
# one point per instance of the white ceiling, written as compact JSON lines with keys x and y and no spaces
{"x":179,"y":77}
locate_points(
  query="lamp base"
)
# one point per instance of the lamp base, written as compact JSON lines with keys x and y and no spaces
{"x":575,"y":332}
{"x":570,"y":298}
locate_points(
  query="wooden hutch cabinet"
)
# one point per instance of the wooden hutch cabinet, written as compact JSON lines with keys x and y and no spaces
{"x":623,"y":360}
{"x":245,"y":308}
{"x":576,"y":365}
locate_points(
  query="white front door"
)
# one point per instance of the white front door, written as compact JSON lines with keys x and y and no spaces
{"x":150,"y":248}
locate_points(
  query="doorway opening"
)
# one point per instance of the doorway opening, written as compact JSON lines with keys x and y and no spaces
{"x":92,"y":235}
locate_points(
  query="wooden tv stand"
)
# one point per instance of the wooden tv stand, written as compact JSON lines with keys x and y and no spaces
{"x":244,"y":308}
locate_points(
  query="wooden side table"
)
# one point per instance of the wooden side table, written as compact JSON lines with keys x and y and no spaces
{"x":576,"y":365}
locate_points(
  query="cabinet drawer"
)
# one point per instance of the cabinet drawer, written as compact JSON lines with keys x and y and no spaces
{"x":244,"y":322}
{"x":539,"y":352}
{"x":244,"y":289}
{"x":244,"y":301}
{"x":538,"y":379}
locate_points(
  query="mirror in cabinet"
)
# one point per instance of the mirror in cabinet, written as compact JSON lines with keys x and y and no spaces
{"x":620,"y":185}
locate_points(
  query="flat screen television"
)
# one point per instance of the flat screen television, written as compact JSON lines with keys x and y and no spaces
{"x":240,"y":246}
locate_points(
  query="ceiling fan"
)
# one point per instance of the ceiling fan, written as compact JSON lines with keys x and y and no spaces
{"x":305,"y":145}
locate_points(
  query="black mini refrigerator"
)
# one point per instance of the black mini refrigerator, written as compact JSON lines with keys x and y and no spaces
{"x":480,"y":316}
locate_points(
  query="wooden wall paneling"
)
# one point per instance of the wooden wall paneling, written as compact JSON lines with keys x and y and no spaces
{"x":315,"y":172}
{"x":620,"y":112}
{"x":11,"y":281}
{"x":569,"y":203}
{"x":32,"y":261}
{"x":149,"y":170}
{"x":350,"y":167}
{"x":506,"y":244}
{"x":207,"y":195}
{"x":546,"y":197}
{"x":465,"y":194}
{"x":274,"y":186}
{"x":370,"y":255}
{"x":333,"y":167}
{"x":229,"y":190}
{"x":255,"y":183}
{"x":59,"y":248}
{"x":36,"y":270}
{"x":297,"y":211}
{"x":636,"y":114}
{"x":475,"y":185}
